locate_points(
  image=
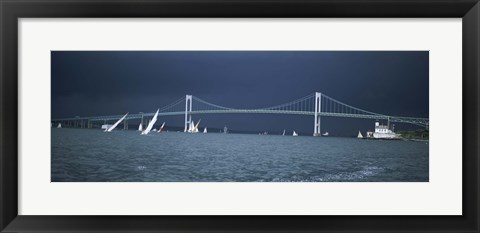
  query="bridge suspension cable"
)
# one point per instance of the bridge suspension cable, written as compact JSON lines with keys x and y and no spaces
{"x":295,"y":105}
{"x":342,"y":107}
{"x":208,"y":104}
{"x":177,"y":103}
{"x":316,"y":104}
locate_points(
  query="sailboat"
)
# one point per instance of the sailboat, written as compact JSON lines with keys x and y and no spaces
{"x":59,"y":125}
{"x":359,"y":135}
{"x":205,"y":130}
{"x":325,"y":134}
{"x":151,"y":123}
{"x":283,"y":134}
{"x":116,"y":123}
{"x":140,"y":127}
{"x":195,"y":128}
{"x":294,"y":133}
{"x":161,"y":127}
{"x":190,"y":127}
{"x":225,"y":129}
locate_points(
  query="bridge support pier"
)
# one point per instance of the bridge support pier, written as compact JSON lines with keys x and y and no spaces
{"x":125,"y":124}
{"x":318,"y":109}
{"x":188,"y":108}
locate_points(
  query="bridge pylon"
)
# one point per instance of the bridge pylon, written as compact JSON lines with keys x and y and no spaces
{"x":188,"y":108}
{"x":318,"y":109}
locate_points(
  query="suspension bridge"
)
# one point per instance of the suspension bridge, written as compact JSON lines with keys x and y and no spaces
{"x":316,"y":104}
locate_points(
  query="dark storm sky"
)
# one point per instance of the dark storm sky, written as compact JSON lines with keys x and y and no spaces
{"x":108,"y":83}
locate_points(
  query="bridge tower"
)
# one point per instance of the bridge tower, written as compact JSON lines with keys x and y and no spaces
{"x":188,"y":108}
{"x":318,"y":110}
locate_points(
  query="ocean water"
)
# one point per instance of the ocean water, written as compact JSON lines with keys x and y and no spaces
{"x":90,"y":155}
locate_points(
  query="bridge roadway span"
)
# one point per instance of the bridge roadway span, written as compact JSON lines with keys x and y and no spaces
{"x":315,"y":104}
{"x":410,"y":120}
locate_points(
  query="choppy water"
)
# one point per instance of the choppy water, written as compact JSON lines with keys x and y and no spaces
{"x":90,"y":155}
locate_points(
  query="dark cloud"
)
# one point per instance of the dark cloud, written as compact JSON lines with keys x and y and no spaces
{"x":86,"y":83}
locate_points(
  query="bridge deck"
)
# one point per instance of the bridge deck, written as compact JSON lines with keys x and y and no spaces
{"x":411,"y":120}
{"x":308,"y":105}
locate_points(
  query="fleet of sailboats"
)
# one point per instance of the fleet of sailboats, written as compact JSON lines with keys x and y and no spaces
{"x":192,"y":127}
{"x":116,"y":123}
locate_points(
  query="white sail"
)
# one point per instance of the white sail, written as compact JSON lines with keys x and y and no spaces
{"x":205,"y":130}
{"x":195,"y":127}
{"x":161,"y":127}
{"x":140,"y":127}
{"x":59,"y":125}
{"x":190,"y":127}
{"x":116,"y":123}
{"x":359,"y":135}
{"x":295,"y":133}
{"x":151,"y":123}
{"x":283,"y":134}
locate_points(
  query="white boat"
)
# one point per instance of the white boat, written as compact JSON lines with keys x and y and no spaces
{"x":294,"y":133}
{"x":384,"y":132}
{"x":205,"y":130}
{"x":140,"y":127}
{"x":106,"y":126}
{"x":359,"y":135}
{"x":151,"y":123}
{"x":325,"y":134}
{"x":59,"y":125}
{"x":190,"y":127}
{"x":283,"y":134}
{"x":116,"y":123}
{"x":161,"y":127}
{"x":154,"y":130}
{"x":195,"y":127}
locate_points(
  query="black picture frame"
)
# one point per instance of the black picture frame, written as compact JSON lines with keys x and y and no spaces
{"x":11,"y":11}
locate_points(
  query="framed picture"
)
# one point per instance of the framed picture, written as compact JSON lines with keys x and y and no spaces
{"x":232,"y":116}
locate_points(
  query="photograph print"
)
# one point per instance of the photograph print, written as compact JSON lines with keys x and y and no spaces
{"x":239,"y":116}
